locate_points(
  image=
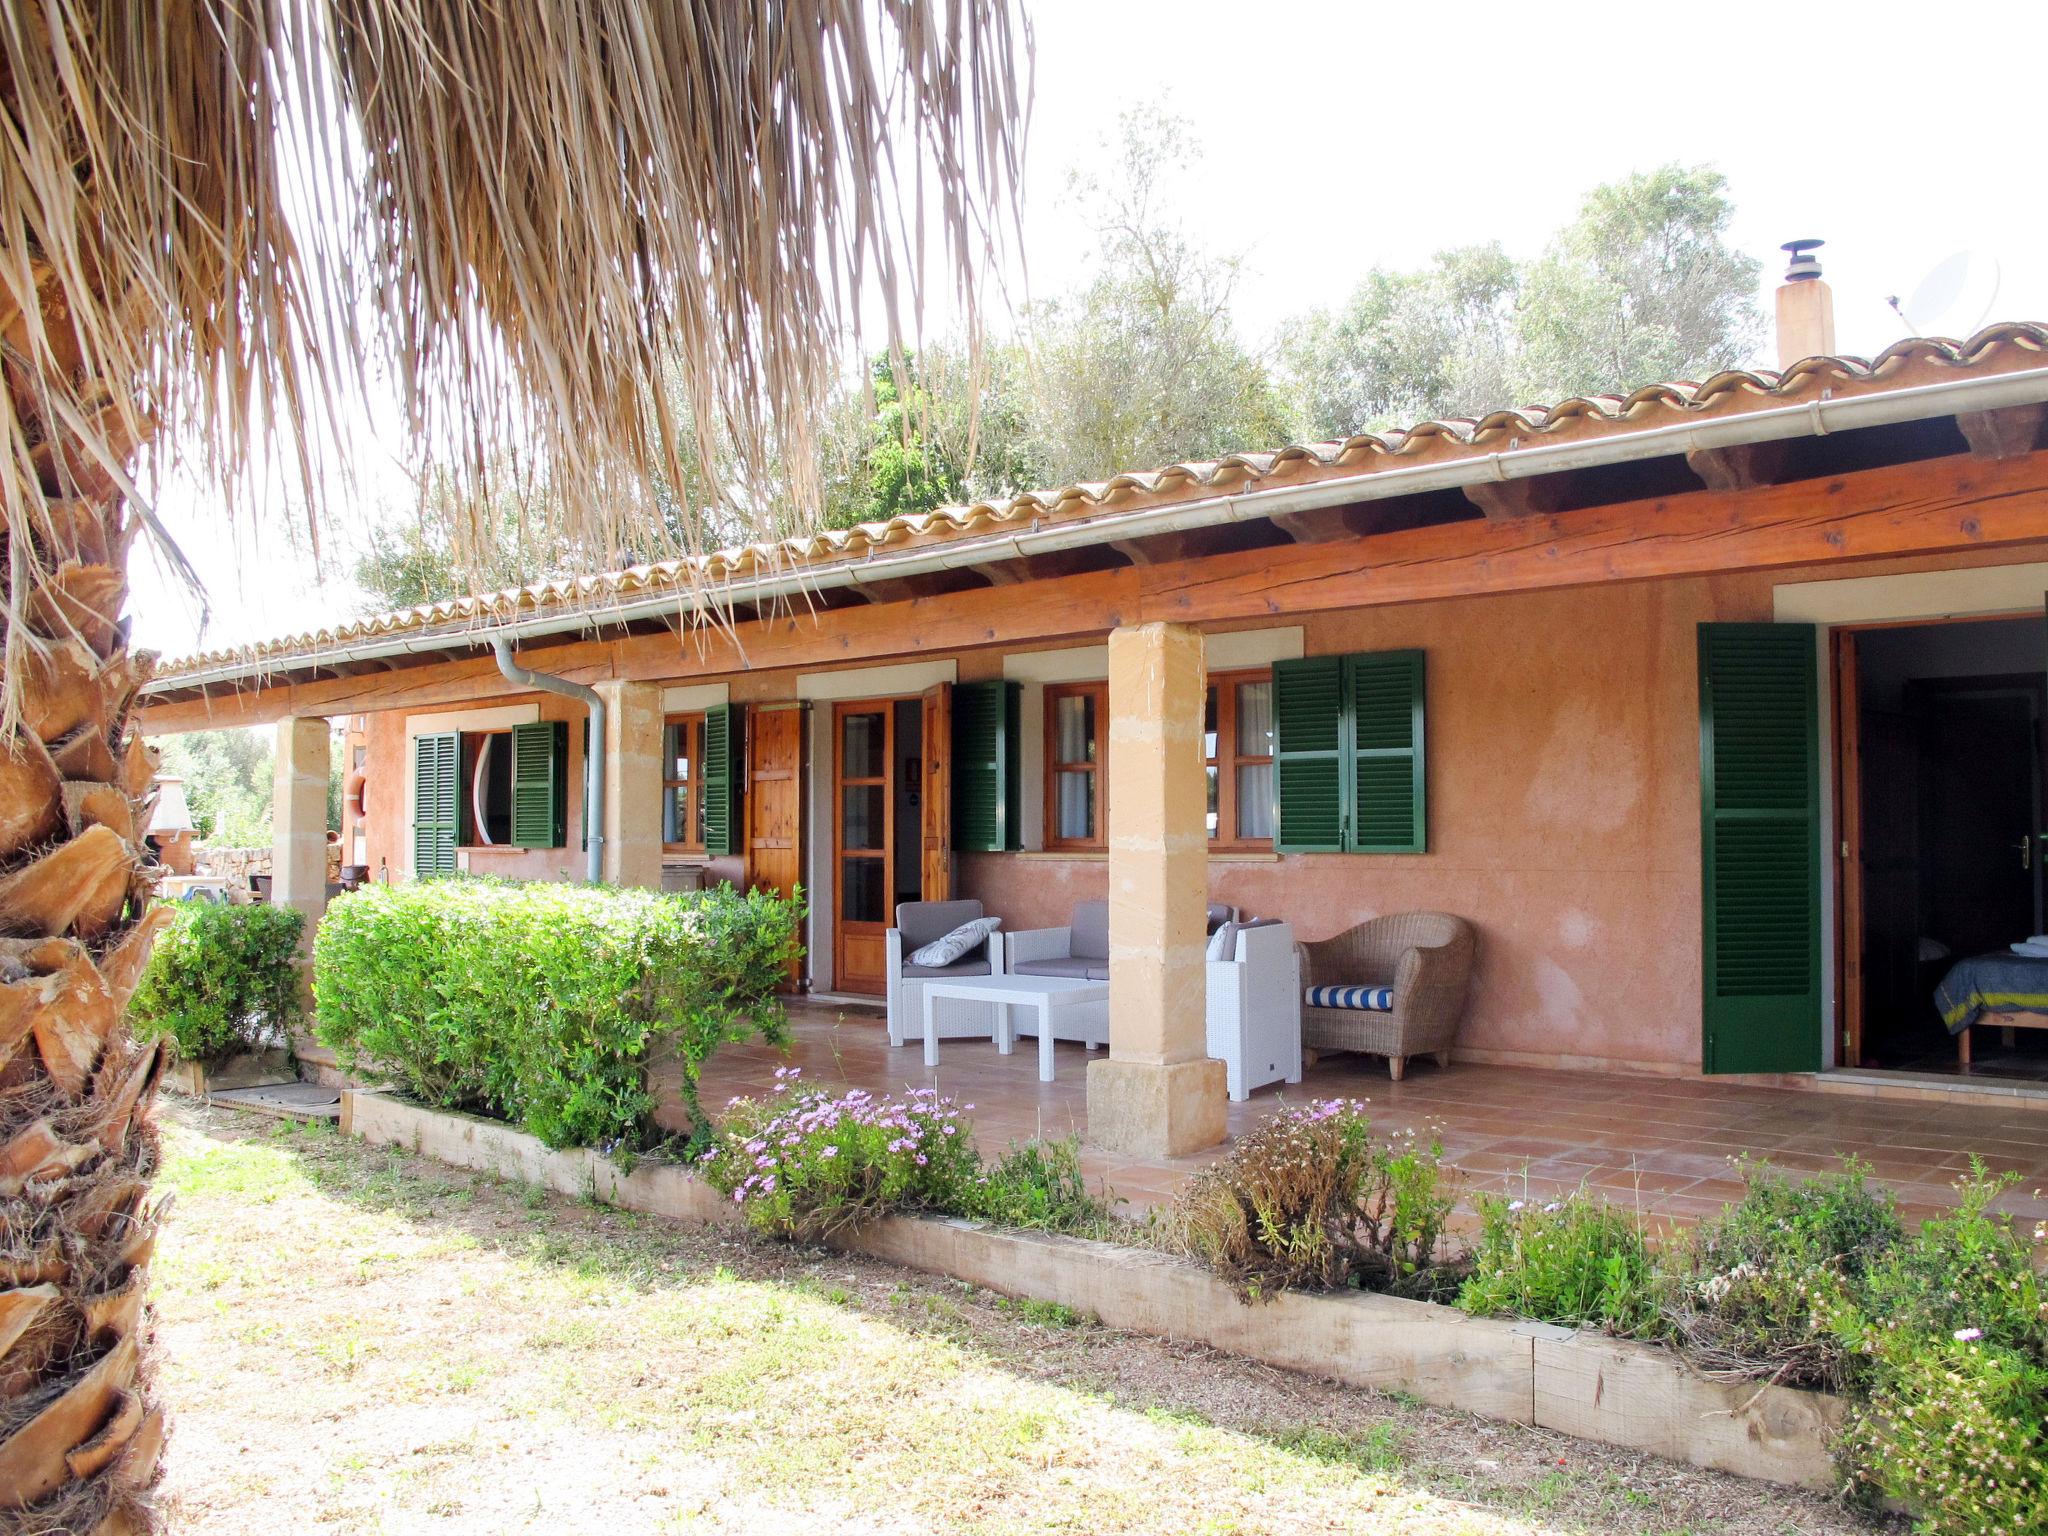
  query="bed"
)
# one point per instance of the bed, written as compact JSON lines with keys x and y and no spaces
{"x":2004,"y":990}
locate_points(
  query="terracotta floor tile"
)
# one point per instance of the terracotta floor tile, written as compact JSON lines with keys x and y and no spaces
{"x":1668,"y":1140}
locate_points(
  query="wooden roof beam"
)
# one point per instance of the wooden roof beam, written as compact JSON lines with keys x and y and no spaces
{"x":2005,"y":433}
{"x":1322,"y":525}
{"x":1531,"y":496}
{"x":1739,"y":466}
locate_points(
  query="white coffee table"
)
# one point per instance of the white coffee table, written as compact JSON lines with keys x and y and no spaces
{"x":1062,"y":1004}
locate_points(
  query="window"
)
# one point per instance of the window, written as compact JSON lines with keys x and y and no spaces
{"x":487,"y":788}
{"x":1237,"y":740}
{"x":1348,"y":752}
{"x":682,"y":778}
{"x":1076,"y":786}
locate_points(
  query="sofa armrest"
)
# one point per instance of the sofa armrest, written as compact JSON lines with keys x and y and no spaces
{"x":998,"y":954}
{"x":1038,"y":944}
{"x":1431,"y":981}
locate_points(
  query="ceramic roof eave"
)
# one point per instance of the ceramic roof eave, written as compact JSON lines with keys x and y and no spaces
{"x":599,"y":599}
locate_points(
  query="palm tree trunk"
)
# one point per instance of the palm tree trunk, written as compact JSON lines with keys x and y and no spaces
{"x":80,"y":1436}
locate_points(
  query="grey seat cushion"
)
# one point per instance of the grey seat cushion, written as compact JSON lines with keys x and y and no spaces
{"x":1090,"y":931}
{"x":968,"y":967}
{"x":1080,"y":967}
{"x":922,"y":921}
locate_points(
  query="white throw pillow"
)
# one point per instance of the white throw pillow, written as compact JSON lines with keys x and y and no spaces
{"x":1223,"y":943}
{"x":949,"y":947}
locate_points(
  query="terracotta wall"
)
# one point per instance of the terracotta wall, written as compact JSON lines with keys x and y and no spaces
{"x":389,"y":771}
{"x":1564,"y":810}
{"x":1563,"y":814}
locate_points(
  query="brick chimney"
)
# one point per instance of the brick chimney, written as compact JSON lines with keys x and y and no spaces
{"x":1806,"y":307}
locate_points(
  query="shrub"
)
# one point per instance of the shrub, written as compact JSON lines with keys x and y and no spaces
{"x":221,"y":980}
{"x":1309,"y":1200}
{"x":546,"y":1003}
{"x":1969,"y":1270}
{"x":1576,"y":1260}
{"x":1038,"y":1184}
{"x":1954,"y":1431}
{"x":1760,"y":1291}
{"x":806,"y":1163}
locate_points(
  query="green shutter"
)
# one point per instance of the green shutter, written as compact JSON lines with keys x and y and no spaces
{"x":436,"y":765}
{"x":1389,"y":812}
{"x":1308,"y":754}
{"x":988,"y":789}
{"x":540,"y":767}
{"x":719,"y":780}
{"x":1760,"y":847}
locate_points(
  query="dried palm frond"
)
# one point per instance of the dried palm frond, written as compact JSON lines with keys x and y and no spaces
{"x":614,"y":243}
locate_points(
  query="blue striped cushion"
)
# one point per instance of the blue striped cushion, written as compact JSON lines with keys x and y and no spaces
{"x":1377,"y":999}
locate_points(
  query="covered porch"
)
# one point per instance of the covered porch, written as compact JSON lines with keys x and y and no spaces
{"x":1668,"y":1142}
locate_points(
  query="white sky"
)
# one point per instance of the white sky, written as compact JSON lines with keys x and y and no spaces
{"x":1340,"y":135}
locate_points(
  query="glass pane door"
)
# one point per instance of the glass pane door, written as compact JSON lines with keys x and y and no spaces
{"x":863,"y":855}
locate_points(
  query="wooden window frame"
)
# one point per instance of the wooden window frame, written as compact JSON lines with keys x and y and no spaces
{"x":1054,"y":692}
{"x":692,"y":787}
{"x":1227,"y":760}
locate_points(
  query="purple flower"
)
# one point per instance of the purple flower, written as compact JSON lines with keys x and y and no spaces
{"x":830,"y":1152}
{"x":1969,"y":1335}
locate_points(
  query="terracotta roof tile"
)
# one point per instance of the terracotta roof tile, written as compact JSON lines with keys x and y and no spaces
{"x":1996,"y":349}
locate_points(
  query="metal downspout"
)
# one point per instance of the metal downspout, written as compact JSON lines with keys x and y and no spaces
{"x":593,"y":776}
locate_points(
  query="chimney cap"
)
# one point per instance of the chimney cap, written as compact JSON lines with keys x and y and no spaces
{"x":1805,"y":266}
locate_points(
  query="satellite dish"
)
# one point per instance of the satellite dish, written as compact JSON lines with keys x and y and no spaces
{"x":1956,"y":297}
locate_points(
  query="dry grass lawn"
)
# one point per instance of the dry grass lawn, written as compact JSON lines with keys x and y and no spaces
{"x":360,"y":1341}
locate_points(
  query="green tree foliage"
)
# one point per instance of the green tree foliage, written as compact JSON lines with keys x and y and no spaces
{"x":227,"y":778}
{"x":925,"y":431}
{"x":1642,"y":286}
{"x":228,"y":783}
{"x":1144,"y":365}
{"x":1408,"y":345}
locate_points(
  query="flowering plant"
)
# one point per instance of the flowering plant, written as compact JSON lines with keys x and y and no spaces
{"x":806,"y":1163}
{"x":1574,"y":1259}
{"x":1311,"y":1200}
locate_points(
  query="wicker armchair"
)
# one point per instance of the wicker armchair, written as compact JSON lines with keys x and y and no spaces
{"x":1425,"y":956}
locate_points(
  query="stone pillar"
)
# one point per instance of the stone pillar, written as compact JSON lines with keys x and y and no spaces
{"x":632,"y":790}
{"x":1159,"y":1094}
{"x":298,"y":824}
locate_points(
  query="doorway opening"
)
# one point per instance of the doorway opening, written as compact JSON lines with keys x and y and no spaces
{"x":878,"y":829}
{"x":1940,"y":789}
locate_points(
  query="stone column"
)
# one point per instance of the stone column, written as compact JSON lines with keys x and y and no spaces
{"x":1159,"y":1094}
{"x":298,"y":818}
{"x":632,"y":791}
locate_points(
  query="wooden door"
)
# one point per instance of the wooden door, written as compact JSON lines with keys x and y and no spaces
{"x":775,"y":743}
{"x":937,"y":810}
{"x":863,"y":840}
{"x":774,"y":778}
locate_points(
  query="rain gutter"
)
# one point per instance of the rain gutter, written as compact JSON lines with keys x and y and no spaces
{"x":1811,"y":418}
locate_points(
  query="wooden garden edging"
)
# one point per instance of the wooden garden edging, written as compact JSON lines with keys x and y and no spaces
{"x":250,"y":1069}
{"x":1598,"y":1388}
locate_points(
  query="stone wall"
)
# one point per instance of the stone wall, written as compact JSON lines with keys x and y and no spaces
{"x":236,"y":865}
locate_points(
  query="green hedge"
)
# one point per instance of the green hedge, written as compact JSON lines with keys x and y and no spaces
{"x":542,"y":1003}
{"x":221,"y":980}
